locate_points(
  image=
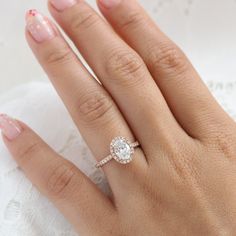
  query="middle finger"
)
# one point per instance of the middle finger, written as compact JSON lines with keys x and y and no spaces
{"x":120,"y":69}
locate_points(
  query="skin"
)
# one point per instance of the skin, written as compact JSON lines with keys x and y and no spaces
{"x":182,"y":178}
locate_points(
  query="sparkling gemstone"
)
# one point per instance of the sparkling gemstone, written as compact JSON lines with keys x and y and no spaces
{"x":122,"y":149}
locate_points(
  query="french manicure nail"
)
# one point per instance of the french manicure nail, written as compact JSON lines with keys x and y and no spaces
{"x":9,"y":127}
{"x":110,"y":3}
{"x":39,"y":26}
{"x":61,"y":5}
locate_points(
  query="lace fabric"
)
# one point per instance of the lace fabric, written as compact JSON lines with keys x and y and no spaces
{"x":23,"y":210}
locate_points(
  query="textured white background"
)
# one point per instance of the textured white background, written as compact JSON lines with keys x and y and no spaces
{"x":205,"y":29}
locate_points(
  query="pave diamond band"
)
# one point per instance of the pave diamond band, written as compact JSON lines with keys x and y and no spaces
{"x":121,"y":150}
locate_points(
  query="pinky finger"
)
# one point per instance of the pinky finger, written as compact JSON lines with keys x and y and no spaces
{"x":82,"y":203}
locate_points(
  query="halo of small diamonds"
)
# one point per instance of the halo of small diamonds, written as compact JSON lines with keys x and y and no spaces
{"x":121,"y":150}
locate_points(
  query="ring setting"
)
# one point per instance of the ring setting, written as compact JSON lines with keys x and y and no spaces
{"x":121,"y":150}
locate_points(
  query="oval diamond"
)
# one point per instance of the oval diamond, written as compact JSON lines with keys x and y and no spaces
{"x":121,"y":150}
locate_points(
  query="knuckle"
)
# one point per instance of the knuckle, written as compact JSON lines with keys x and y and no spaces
{"x":223,"y":142}
{"x":168,"y":57}
{"x":132,"y":20}
{"x":94,"y":107}
{"x":60,"y":180}
{"x":184,"y":165}
{"x":181,"y":156}
{"x":84,"y":20}
{"x":125,"y":64}
{"x":59,"y":56}
{"x":27,"y":152}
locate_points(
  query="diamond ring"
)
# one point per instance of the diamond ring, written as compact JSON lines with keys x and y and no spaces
{"x":121,"y":150}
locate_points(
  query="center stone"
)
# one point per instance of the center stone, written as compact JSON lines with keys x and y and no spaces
{"x":122,"y":149}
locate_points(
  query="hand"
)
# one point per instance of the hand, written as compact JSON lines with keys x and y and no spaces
{"x":182,"y":178}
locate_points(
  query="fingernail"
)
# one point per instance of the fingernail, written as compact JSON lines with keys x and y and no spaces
{"x":9,"y":127}
{"x":61,"y":5}
{"x":110,"y":3}
{"x":39,"y":26}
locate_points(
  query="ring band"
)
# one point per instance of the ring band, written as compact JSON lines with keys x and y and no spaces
{"x":121,"y":150}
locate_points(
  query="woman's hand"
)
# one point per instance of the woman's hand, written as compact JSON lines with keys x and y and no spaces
{"x":182,"y":180}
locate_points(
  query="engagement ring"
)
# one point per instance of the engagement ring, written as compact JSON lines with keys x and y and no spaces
{"x":121,"y":150}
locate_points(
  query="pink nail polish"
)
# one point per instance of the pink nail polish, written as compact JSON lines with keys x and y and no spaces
{"x":10,"y":127}
{"x":61,"y":5}
{"x":39,"y":26}
{"x":110,"y":3}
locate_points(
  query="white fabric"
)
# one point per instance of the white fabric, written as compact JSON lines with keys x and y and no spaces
{"x":209,"y":41}
{"x":23,"y":211}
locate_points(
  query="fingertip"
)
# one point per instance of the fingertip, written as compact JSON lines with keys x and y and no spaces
{"x":30,"y":13}
{"x":39,"y":26}
{"x":10,"y":127}
{"x":51,"y":8}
